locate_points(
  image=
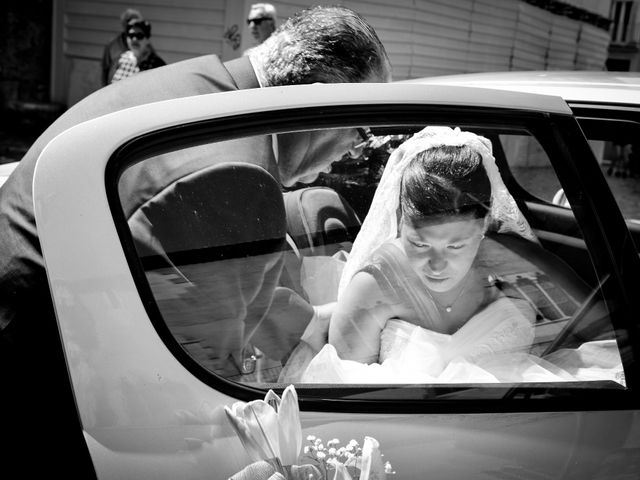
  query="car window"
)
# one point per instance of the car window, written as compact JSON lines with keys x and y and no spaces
{"x":612,"y":141}
{"x":615,"y":145}
{"x":530,"y":165}
{"x":236,"y":268}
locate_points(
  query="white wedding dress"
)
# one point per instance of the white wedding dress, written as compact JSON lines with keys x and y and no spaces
{"x":413,"y":355}
{"x":493,"y":345}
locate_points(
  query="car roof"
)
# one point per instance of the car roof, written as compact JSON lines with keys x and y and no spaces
{"x":154,"y":116}
{"x":573,"y":86}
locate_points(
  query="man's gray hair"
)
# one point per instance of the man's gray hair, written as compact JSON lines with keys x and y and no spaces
{"x":322,"y":44}
{"x":268,"y":9}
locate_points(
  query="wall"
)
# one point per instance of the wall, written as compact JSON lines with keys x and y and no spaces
{"x":439,"y":37}
{"x":180,"y":30}
{"x":422,"y":37}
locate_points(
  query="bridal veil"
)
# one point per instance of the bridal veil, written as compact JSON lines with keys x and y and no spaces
{"x":381,"y":223}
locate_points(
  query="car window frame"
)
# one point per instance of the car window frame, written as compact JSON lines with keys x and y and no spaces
{"x":535,"y":397}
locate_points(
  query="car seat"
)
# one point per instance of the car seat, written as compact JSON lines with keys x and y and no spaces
{"x":320,"y":221}
{"x":211,"y":245}
{"x":320,"y":224}
{"x":557,"y":294}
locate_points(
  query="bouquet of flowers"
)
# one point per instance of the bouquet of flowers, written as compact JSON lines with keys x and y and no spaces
{"x":271,"y":433}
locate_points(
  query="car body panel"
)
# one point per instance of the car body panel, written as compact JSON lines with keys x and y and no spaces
{"x":574,"y":86}
{"x":145,"y":415}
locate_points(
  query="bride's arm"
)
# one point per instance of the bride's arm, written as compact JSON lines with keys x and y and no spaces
{"x":358,"y":320}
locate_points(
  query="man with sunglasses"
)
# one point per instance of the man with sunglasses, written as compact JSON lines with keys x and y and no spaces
{"x":261,"y":21}
{"x":321,"y":44}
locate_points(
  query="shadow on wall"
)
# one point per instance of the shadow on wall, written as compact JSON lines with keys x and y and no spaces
{"x":25,"y":66}
{"x":25,"y":51}
{"x":84,"y":79}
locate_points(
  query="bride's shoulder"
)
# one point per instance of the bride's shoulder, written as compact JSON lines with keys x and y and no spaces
{"x":363,"y":288}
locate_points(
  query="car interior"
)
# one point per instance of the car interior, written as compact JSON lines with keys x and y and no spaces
{"x":199,"y":281}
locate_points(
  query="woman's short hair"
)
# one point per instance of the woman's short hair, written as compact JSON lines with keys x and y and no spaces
{"x":323,"y":44}
{"x":128,"y":15}
{"x":445,"y":181}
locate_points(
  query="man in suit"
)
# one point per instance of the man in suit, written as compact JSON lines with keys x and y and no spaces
{"x":322,"y":44}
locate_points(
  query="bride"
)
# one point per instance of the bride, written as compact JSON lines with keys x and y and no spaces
{"x":417,"y":302}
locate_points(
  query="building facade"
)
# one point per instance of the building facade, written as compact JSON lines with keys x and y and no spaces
{"x":624,"y":54}
{"x":422,"y":37}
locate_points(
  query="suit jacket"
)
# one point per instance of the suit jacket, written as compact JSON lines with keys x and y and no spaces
{"x":22,"y":275}
{"x":31,"y":358}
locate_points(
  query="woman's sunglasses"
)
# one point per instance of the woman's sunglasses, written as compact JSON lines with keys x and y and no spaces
{"x":257,"y":21}
{"x":136,"y":35}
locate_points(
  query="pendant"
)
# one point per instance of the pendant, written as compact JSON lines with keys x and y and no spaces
{"x":447,"y":309}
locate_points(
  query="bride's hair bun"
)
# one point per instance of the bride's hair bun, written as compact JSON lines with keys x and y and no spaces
{"x":445,"y":181}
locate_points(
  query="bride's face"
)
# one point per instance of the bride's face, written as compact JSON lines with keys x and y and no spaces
{"x":443,"y":251}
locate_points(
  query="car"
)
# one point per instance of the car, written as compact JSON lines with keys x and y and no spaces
{"x":135,"y":321}
{"x":607,"y":105}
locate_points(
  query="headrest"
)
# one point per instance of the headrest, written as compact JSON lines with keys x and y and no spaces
{"x":318,"y":216}
{"x":224,"y":211}
{"x":212,"y":245}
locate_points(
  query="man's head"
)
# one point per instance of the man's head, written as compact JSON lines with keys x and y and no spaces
{"x":128,"y":15}
{"x":326,"y":45}
{"x":261,"y":21}
{"x":322,"y":44}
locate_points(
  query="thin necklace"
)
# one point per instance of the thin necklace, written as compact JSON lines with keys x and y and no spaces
{"x":448,"y":308}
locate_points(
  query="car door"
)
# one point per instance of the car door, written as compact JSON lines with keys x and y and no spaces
{"x":148,"y":293}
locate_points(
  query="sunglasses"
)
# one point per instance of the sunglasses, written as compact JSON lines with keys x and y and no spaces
{"x":136,"y":35}
{"x":257,"y":21}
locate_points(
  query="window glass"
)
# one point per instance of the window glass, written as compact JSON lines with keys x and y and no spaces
{"x":530,"y":165}
{"x":615,"y":146}
{"x":242,"y":255}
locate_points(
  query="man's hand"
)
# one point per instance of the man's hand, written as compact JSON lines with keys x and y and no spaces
{"x":317,"y":332}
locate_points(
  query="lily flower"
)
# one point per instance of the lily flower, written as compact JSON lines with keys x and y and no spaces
{"x":372,"y":467}
{"x":341,"y":472}
{"x":270,"y":428}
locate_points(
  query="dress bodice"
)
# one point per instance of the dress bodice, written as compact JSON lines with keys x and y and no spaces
{"x":402,"y":286}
